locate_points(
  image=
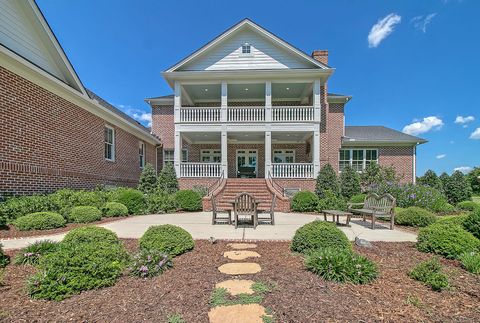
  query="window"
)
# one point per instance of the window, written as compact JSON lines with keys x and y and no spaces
{"x":246,"y":49}
{"x":284,"y":156}
{"x":141,"y":154}
{"x":109,"y":143}
{"x":211,"y":156}
{"x":359,"y":159}
{"x":169,"y":156}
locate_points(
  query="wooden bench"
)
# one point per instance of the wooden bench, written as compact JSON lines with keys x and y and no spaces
{"x":338,"y":214}
{"x":376,"y":206}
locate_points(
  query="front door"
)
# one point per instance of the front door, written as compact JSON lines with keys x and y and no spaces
{"x":247,"y":163}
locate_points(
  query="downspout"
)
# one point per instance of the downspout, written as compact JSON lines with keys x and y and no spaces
{"x":414,"y":172}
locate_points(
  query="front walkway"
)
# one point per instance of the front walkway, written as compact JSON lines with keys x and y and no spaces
{"x":199,"y":224}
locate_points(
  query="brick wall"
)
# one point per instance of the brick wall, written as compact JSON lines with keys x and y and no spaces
{"x":163,"y":125}
{"x":48,"y":143}
{"x":399,"y":157}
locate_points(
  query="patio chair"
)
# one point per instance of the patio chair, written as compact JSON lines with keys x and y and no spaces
{"x":220,"y":219}
{"x":245,"y":205}
{"x":269,"y":212}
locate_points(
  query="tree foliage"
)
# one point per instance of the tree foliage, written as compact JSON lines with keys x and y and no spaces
{"x":327,"y":180}
{"x":457,"y":188}
{"x":148,"y":179}
{"x":375,"y":175}
{"x":167,"y":180}
{"x":349,"y":182}
{"x":474,"y":180}
{"x":431,"y":179}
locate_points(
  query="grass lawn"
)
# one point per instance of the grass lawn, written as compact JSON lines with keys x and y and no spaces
{"x":296,"y":295}
{"x":476,"y":199}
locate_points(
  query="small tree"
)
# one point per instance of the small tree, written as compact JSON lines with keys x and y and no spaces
{"x":431,"y":179}
{"x":148,"y":179}
{"x":167,"y":180}
{"x":349,"y":182}
{"x":457,"y":188}
{"x":474,"y":179}
{"x":370,"y":176}
{"x":327,"y":180}
{"x":444,"y":178}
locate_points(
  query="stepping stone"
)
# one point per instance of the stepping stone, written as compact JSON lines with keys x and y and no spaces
{"x":242,"y":245}
{"x":237,"y":286}
{"x":240,"y":254}
{"x":240,"y":268}
{"x":251,"y":313}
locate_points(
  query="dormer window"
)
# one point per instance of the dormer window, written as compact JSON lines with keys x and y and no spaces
{"x":246,"y":49}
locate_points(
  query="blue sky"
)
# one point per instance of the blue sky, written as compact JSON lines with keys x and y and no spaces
{"x":409,"y":65}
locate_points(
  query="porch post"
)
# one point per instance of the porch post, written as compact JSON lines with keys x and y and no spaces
{"x":268,"y":152}
{"x":177,"y":153}
{"x":316,"y":151}
{"x":268,"y":101}
{"x":177,"y":103}
{"x":224,"y":145}
{"x":317,"y":105}
{"x":223,"y":109}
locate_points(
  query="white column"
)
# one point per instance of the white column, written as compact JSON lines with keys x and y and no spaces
{"x":177,"y":102}
{"x":223,"y":111}
{"x":317,"y":105}
{"x":268,"y":101}
{"x":268,"y":152}
{"x":177,"y":154}
{"x":224,"y":145}
{"x":316,"y":151}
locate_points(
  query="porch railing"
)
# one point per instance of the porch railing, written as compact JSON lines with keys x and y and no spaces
{"x":196,"y":114}
{"x":289,"y":170}
{"x":200,"y":169}
{"x":292,"y":113}
{"x":246,"y":114}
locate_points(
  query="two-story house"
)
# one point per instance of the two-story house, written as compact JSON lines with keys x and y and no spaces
{"x":250,"y":105}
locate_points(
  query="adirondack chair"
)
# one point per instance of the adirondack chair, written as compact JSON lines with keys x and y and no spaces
{"x":269,"y":212}
{"x":215,"y":214}
{"x":376,"y":206}
{"x":245,"y":205}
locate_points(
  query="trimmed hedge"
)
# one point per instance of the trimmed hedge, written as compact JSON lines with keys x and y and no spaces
{"x":304,"y":201}
{"x":114,"y":209}
{"x":319,"y":235}
{"x":447,"y":240}
{"x":415,"y":217}
{"x":331,"y":201}
{"x":468,"y":206}
{"x":16,"y":207}
{"x":167,"y":238}
{"x":160,"y":202}
{"x":31,"y":255}
{"x":84,"y":214}
{"x":90,"y":234}
{"x":188,"y":200}
{"x":472,"y":223}
{"x":39,"y":221}
{"x":452,"y":219}
{"x":133,"y":199}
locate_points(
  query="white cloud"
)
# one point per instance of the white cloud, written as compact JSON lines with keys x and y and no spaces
{"x":382,"y":29}
{"x":143,"y":117}
{"x":427,"y":124}
{"x":463,"y":169}
{"x":421,"y":22}
{"x":441,"y":156}
{"x":476,"y":134}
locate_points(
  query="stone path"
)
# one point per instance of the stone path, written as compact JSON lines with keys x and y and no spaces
{"x":238,"y":313}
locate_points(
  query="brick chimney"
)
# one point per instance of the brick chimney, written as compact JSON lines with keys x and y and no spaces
{"x":321,"y":56}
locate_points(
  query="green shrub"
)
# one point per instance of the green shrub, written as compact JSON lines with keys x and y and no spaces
{"x":188,"y":200}
{"x":376,"y":175}
{"x":160,"y":202}
{"x":148,"y":179}
{"x":149,"y":263}
{"x":415,"y":217}
{"x":4,"y":259}
{"x":304,"y":201}
{"x":133,"y":199}
{"x":84,"y":214}
{"x":327,"y":180}
{"x":472,"y":223}
{"x":16,"y":207}
{"x":74,"y":268}
{"x":31,"y":255}
{"x":90,"y":234}
{"x":319,"y":235}
{"x":457,"y":188}
{"x":431,"y":179}
{"x":331,"y":201}
{"x":358,"y":198}
{"x":114,"y":209}
{"x":443,"y":208}
{"x":430,"y":273}
{"x":452,"y":219}
{"x":468,"y":206}
{"x":66,"y":199}
{"x":471,"y":262}
{"x":349,"y":182}
{"x":447,"y":240}
{"x":473,"y":178}
{"x":341,"y":266}
{"x":39,"y":221}
{"x":167,"y":180}
{"x":167,"y":238}
{"x":202,"y":190}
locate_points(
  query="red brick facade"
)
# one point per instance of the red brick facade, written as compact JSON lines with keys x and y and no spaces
{"x":401,"y":158}
{"x":48,"y":143}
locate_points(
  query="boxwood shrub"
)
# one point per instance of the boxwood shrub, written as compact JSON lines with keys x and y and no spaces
{"x":66,"y":199}
{"x":160,"y":202}
{"x":4,"y":259}
{"x":472,"y":223}
{"x":330,"y":201}
{"x":319,"y":235}
{"x":468,"y":206}
{"x":84,"y":214}
{"x":471,"y":262}
{"x":167,"y":238}
{"x":114,"y":209}
{"x":447,"y":240}
{"x":133,"y":199}
{"x":188,"y":200}
{"x":39,"y":221}
{"x":415,"y":217}
{"x":16,"y":207}
{"x":31,"y":255}
{"x":452,"y":219}
{"x":304,"y":201}
{"x":341,"y":265}
{"x":430,"y":273}
{"x":90,"y":234}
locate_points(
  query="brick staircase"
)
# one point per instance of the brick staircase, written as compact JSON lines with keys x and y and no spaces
{"x":254,"y":186}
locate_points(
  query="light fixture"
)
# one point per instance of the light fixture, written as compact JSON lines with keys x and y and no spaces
{"x":288,"y":89}
{"x":246,"y":89}
{"x":206,"y":90}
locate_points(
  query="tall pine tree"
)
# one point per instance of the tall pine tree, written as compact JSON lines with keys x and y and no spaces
{"x":148,"y":179}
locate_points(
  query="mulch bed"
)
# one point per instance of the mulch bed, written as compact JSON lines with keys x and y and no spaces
{"x":299,"y":296}
{"x":10,"y":232}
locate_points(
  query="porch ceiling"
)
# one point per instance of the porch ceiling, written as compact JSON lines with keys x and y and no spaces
{"x":246,"y":137}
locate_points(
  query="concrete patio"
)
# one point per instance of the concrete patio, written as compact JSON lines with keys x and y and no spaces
{"x":199,"y":225}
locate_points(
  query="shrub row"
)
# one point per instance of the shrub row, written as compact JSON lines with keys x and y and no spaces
{"x":306,"y":201}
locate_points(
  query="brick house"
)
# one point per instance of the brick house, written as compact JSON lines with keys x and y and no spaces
{"x":55,"y":133}
{"x":253,"y":109}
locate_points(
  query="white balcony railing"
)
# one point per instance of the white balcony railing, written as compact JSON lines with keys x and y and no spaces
{"x":196,"y":114}
{"x":200,"y":169}
{"x":292,"y":113}
{"x":288,"y":170}
{"x":246,"y":114}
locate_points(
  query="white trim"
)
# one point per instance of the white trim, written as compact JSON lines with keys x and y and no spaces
{"x":112,"y":144}
{"x":142,"y":148}
{"x":414,"y":165}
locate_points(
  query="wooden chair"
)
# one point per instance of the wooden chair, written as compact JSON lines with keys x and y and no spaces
{"x":270,"y":212}
{"x":245,"y":205}
{"x":376,"y":206}
{"x":215,"y":214}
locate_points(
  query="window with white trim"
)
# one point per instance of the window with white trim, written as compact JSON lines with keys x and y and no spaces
{"x":169,"y":156}
{"x":141,"y":154}
{"x":284,"y":156}
{"x":211,"y":156}
{"x":109,"y":143}
{"x":246,"y":49}
{"x":358,"y":159}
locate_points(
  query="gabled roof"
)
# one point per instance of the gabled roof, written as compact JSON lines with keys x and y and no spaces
{"x":240,"y":25}
{"x":355,"y":135}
